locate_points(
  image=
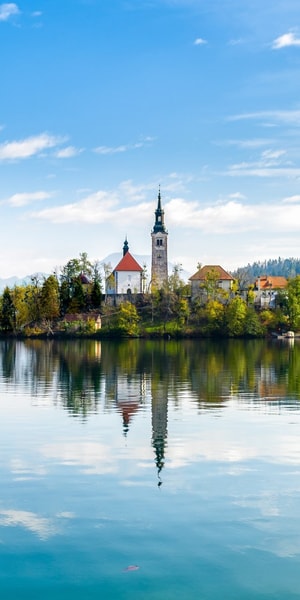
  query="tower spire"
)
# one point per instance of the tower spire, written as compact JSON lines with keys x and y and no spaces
{"x":159,"y":225}
{"x":125,"y":247}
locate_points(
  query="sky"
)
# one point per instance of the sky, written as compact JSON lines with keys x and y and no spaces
{"x":103,"y":101}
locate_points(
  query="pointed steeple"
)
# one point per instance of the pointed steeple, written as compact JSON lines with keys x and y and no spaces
{"x":125,"y":247}
{"x":159,"y":225}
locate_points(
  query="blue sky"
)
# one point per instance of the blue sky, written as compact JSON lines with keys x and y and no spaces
{"x":103,"y":100}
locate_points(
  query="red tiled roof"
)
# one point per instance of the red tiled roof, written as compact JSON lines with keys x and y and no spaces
{"x":266,"y":282}
{"x":216,"y":269}
{"x":128,"y":263}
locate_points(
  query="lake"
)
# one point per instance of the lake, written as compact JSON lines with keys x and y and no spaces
{"x":149,"y":470}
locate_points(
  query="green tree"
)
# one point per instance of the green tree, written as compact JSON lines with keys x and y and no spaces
{"x":96,"y":289}
{"x":293,"y":302}
{"x":73,"y":297}
{"x":32,"y":299}
{"x":213,"y":313}
{"x":127,"y":318}
{"x":236,"y":311}
{"x":50,"y":306}
{"x":8,"y":314}
{"x":78,"y":299}
{"x":252,"y":324}
{"x":210,"y":288}
{"x":21,"y":309}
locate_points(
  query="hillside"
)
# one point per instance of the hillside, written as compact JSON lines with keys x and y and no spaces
{"x":284,"y":267}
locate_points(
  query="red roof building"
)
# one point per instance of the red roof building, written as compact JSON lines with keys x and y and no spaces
{"x":127,"y":276}
{"x":265,"y":282}
{"x":222,"y":279}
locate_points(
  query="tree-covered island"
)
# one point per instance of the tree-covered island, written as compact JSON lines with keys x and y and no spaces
{"x":73,"y":303}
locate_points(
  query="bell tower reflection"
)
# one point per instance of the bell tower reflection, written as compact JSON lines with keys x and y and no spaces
{"x":159,"y":412}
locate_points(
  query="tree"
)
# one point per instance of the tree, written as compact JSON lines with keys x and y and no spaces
{"x":293,"y":302}
{"x":32,"y":299}
{"x":18,"y":294}
{"x":50,"y":307}
{"x":252,"y":324}
{"x":78,"y":299}
{"x":72,"y":295}
{"x":213,"y":312}
{"x":211,"y":289}
{"x":96,"y":289}
{"x":244,"y":278}
{"x":175,"y":283}
{"x":236,"y":312}
{"x":8,"y":314}
{"x":127,"y":318}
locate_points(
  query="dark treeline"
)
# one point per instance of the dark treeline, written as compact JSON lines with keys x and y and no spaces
{"x":280,"y":267}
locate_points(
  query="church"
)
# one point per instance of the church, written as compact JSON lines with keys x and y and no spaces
{"x":128,"y":276}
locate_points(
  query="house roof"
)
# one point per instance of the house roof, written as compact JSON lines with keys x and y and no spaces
{"x":265,"y":282}
{"x":216,"y":269}
{"x":128,"y":263}
{"x":84,"y":279}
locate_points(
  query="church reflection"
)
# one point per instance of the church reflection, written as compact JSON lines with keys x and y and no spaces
{"x":129,"y":395}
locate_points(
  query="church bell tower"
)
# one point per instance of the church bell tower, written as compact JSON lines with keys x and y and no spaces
{"x":159,"y":235}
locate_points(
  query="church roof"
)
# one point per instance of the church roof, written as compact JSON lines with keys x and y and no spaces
{"x":204,"y":271}
{"x":128,"y":263}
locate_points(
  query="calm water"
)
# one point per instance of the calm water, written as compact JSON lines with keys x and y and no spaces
{"x":182,"y":459}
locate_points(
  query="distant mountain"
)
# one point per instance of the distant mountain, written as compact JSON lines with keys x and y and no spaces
{"x":15,"y":280}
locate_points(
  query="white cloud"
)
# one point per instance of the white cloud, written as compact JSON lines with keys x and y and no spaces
{"x":68,"y":152}
{"x":285,"y":40}
{"x":291,"y":199}
{"x":8,"y":10}
{"x":233,"y":215}
{"x":133,"y":192}
{"x":24,"y":198}
{"x":95,"y":208}
{"x":93,"y":458}
{"x":118,"y":149}
{"x":290,"y":117}
{"x":245,"y":144}
{"x":235,"y":42}
{"x":220,"y":217}
{"x":228,"y":215}
{"x":237,"y":196}
{"x":273,"y":154}
{"x":122,"y":205}
{"x":270,"y":162}
{"x":42,"y":527}
{"x":36,"y":13}
{"x":28,"y":147}
{"x":253,"y":170}
{"x":199,"y":42}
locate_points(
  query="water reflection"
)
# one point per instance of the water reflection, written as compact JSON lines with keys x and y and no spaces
{"x":104,"y":446}
{"x":86,"y":377}
{"x":82,"y":371}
